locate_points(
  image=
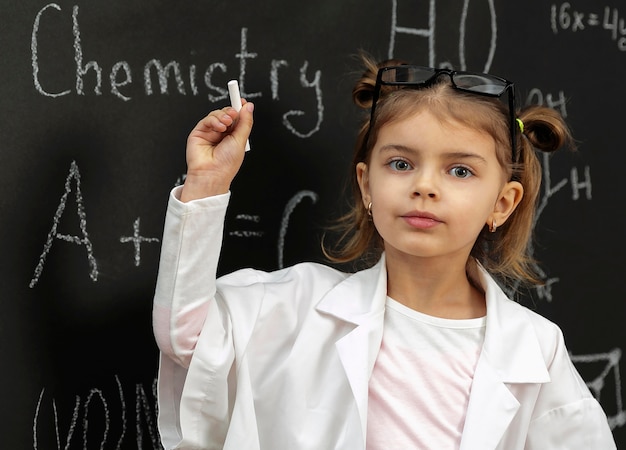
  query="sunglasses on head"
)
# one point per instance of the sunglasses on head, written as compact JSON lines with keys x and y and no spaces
{"x":475,"y":83}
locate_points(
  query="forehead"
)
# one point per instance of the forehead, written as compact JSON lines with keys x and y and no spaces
{"x":449,"y":106}
{"x":445,"y":102}
{"x":423,"y":130}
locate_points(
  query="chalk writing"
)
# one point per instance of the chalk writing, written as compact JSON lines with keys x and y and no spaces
{"x":74,"y":175}
{"x":549,"y":190}
{"x":112,"y":407}
{"x":284,"y":224}
{"x":149,"y":409}
{"x":291,"y":205}
{"x":422,"y":32}
{"x":121,"y":75}
{"x":564,"y":18}
{"x":137,"y":240}
{"x":320,"y":105}
{"x":494,"y":35}
{"x":611,"y":362}
{"x":247,"y":233}
{"x":243,"y":56}
{"x":429,"y":33}
{"x":536,"y":96}
{"x":35,"y":57}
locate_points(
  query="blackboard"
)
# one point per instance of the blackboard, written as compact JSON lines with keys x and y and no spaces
{"x":97,"y":99}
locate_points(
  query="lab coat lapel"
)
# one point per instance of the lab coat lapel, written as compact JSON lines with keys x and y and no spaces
{"x":511,"y":354}
{"x":490,"y":410}
{"x":359,"y":300}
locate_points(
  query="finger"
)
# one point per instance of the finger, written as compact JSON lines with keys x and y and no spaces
{"x":219,"y":120}
{"x":212,"y":127}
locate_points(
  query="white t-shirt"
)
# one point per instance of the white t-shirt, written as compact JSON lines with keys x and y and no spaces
{"x":420,"y":386}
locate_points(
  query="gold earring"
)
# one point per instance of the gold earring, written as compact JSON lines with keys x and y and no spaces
{"x":493,"y":226}
{"x":369,"y":209}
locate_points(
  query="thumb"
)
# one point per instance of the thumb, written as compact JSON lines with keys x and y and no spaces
{"x":242,"y":129}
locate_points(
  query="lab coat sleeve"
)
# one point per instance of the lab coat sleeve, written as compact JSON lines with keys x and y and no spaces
{"x":567,"y":416}
{"x":183,"y":302}
{"x":190,"y":249}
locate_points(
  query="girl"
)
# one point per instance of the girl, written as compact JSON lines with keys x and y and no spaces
{"x":421,"y":349}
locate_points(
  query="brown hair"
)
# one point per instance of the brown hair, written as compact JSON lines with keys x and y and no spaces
{"x":505,"y":253}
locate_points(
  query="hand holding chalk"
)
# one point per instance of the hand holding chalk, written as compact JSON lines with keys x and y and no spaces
{"x":235,"y":100}
{"x":215,"y":151}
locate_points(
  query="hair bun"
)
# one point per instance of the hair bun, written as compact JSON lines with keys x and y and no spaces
{"x":545,"y":129}
{"x":363,"y":91}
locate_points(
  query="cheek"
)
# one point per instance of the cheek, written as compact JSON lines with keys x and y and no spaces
{"x":388,"y":196}
{"x":477,"y":205}
{"x":378,"y":188}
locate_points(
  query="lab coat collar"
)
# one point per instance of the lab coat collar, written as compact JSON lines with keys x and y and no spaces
{"x":360,"y":297}
{"x":511,"y":352}
{"x":511,"y":345}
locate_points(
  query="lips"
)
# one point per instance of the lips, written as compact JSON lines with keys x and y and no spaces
{"x":421,"y":220}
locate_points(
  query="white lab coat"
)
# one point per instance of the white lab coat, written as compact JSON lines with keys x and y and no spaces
{"x":283,"y":359}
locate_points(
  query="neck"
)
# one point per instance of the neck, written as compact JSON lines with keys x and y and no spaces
{"x":437,"y":287}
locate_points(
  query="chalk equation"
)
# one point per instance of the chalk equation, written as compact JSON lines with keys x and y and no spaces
{"x":137,"y":239}
{"x":94,"y":416}
{"x":73,"y":183}
{"x":247,"y":218}
{"x":73,"y":175}
{"x":284,"y":223}
{"x":577,"y":184}
{"x":429,"y":32}
{"x":185,"y":80}
{"x":565,"y":17}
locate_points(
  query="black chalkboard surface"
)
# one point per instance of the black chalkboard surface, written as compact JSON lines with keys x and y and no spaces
{"x":97,"y":99}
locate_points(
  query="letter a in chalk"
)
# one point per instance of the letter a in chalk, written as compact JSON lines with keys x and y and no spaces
{"x":84,"y":240}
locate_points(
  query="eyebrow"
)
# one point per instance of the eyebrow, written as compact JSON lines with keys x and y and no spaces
{"x":390,"y":148}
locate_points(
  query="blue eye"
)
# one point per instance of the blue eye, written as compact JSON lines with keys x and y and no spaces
{"x":461,"y":172}
{"x":400,"y":165}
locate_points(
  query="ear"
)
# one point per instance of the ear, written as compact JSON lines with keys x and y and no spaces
{"x":510,"y":196}
{"x":362,"y":177}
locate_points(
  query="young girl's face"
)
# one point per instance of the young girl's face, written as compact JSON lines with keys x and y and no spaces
{"x":433,"y":186}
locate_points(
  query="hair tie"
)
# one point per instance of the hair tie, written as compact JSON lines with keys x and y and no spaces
{"x":520,"y":124}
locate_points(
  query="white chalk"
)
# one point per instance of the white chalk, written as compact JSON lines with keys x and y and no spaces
{"x":235,"y":100}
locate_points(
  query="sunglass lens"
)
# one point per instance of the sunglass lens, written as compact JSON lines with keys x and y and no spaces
{"x":480,"y":83}
{"x":407,"y":74}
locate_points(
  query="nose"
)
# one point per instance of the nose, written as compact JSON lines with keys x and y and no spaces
{"x":425,"y":185}
{"x":429,"y":194}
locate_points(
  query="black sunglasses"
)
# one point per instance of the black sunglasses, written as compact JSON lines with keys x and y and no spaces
{"x":475,"y":83}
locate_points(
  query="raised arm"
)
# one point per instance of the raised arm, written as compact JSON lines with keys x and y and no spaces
{"x":193,"y":231}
